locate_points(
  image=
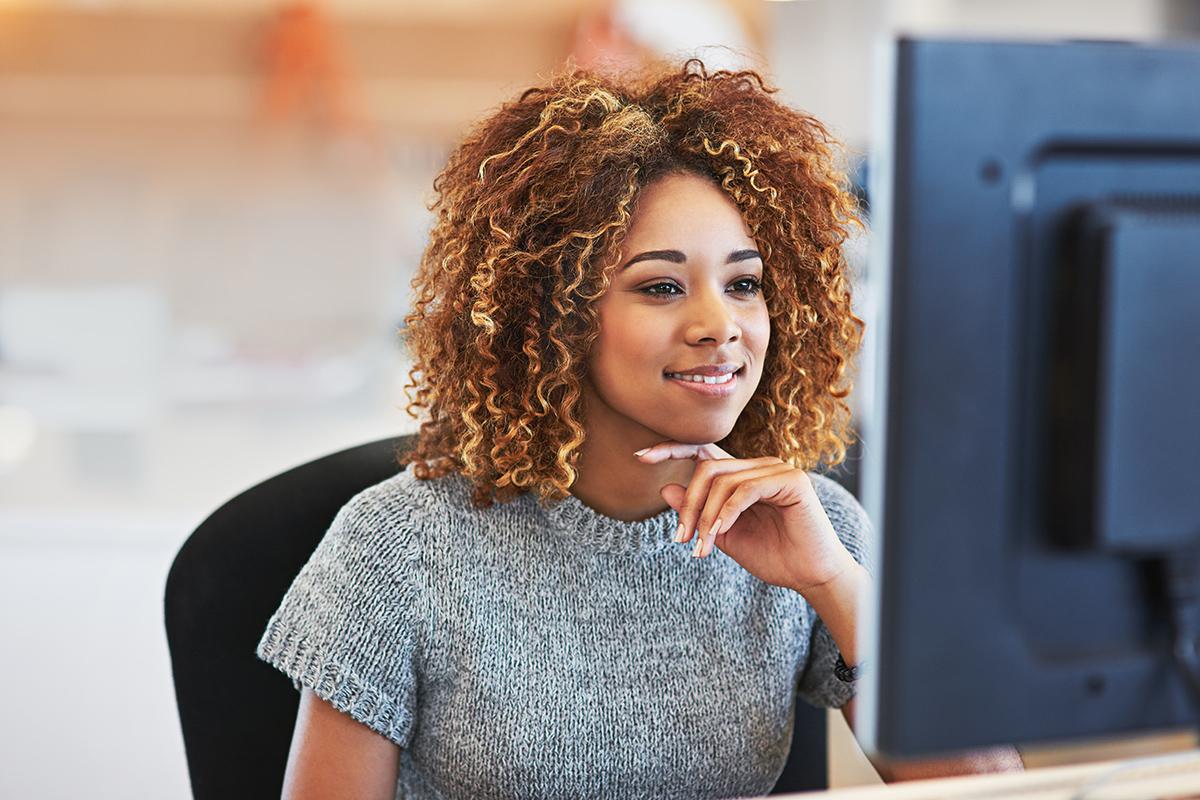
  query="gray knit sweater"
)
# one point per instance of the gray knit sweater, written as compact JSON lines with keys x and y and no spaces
{"x":522,"y":652}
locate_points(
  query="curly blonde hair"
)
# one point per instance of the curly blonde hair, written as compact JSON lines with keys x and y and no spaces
{"x":531,"y":210}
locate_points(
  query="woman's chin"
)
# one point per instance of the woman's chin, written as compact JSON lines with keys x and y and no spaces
{"x":698,"y":434}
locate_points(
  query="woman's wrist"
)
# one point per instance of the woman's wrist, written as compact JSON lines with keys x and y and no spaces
{"x":840,"y":576}
{"x":836,"y":601}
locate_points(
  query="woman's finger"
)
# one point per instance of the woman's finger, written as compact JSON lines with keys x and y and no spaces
{"x":665,"y":450}
{"x":700,"y":484}
{"x":727,"y":499}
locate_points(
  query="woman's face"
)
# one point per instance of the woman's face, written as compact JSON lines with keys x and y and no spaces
{"x":686,"y":295}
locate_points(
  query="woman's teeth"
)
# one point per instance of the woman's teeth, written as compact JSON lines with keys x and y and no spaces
{"x":701,"y":378}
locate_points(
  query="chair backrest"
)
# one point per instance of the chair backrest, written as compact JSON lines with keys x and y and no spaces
{"x":237,"y":712}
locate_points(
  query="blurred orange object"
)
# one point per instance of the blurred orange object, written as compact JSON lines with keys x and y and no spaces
{"x":600,"y":42}
{"x":304,"y":65}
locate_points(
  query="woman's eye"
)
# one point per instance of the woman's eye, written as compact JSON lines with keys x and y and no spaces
{"x":754,"y":285}
{"x":649,"y":289}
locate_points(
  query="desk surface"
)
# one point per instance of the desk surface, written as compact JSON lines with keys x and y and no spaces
{"x":1175,"y":775}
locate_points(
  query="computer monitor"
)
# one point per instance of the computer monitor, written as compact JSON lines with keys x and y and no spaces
{"x":1030,"y":460}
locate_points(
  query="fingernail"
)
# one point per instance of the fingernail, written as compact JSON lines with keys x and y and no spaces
{"x":709,"y":545}
{"x":679,"y":537}
{"x":713,"y":530}
{"x":642,"y":452}
{"x":696,"y":547}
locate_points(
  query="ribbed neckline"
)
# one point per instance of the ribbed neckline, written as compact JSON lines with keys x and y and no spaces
{"x":581,"y":524}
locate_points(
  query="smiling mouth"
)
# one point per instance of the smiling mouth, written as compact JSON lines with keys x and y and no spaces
{"x":705,"y":380}
{"x":713,"y":388}
{"x":709,"y":380}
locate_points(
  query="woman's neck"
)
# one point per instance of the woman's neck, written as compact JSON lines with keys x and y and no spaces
{"x":611,"y":480}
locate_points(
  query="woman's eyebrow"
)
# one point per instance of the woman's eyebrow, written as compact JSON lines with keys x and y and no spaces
{"x":677,"y":257}
{"x":674,"y":256}
{"x":742,"y":255}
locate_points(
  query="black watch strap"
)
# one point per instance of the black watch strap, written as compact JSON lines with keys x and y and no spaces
{"x":845,"y":673}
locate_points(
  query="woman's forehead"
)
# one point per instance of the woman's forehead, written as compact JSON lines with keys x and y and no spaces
{"x":684,"y":206}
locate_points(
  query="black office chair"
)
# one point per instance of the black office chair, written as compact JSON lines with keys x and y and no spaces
{"x":237,"y":712}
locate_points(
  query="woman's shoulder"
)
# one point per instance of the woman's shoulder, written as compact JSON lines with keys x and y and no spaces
{"x":837,"y":499}
{"x":847,"y":515}
{"x":404,"y":499}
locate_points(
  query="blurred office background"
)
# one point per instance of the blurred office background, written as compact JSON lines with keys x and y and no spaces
{"x":210,"y":211}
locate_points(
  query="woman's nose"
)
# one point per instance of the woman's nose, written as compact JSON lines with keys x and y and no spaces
{"x":712,"y":318}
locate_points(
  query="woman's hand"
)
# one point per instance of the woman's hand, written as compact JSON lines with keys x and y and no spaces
{"x":762,"y":512}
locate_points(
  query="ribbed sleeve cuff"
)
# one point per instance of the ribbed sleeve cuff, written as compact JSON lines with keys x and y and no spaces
{"x":337,"y":684}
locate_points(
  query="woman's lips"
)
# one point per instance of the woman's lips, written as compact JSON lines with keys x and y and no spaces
{"x":709,"y":389}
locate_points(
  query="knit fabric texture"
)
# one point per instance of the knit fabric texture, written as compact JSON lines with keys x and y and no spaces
{"x":528,"y":652}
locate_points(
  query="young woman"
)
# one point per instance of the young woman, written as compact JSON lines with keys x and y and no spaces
{"x":607,"y":568}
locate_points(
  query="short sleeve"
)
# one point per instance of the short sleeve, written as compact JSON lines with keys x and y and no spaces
{"x":818,"y":685}
{"x":350,"y":626}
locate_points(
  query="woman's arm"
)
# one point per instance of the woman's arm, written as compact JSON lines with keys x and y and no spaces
{"x":334,"y":756}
